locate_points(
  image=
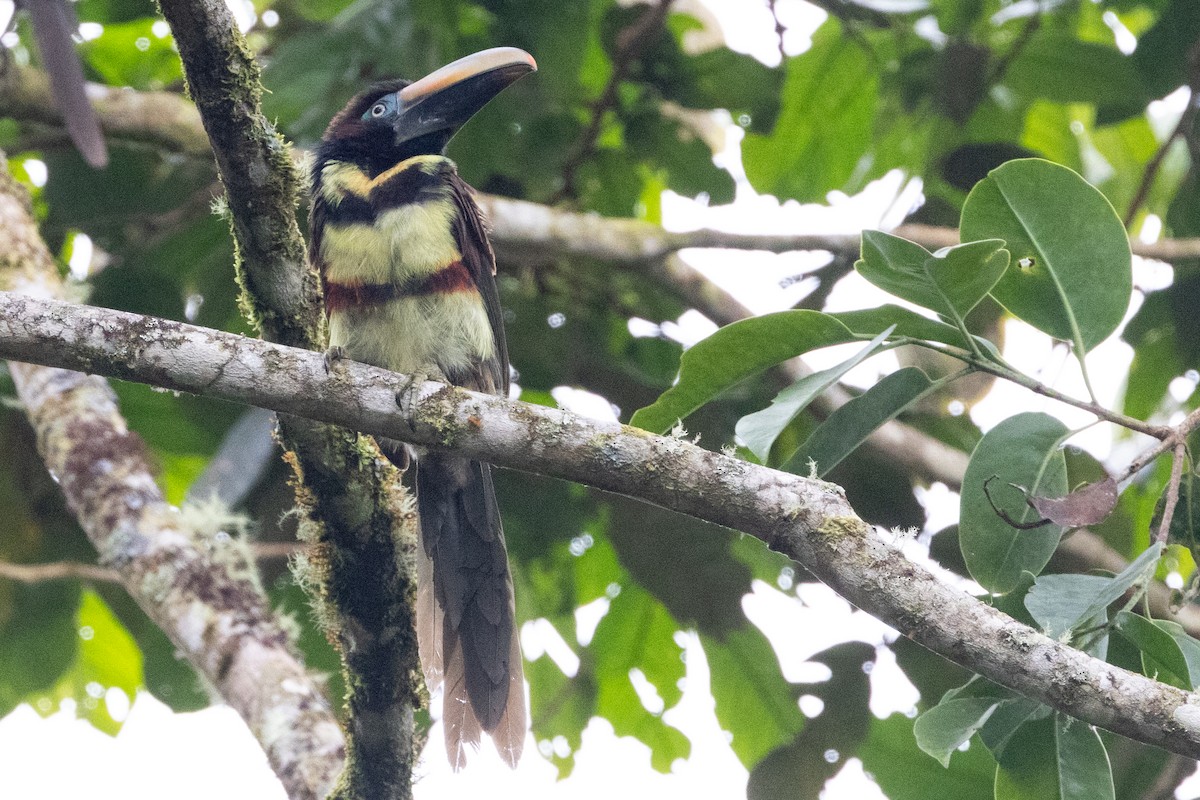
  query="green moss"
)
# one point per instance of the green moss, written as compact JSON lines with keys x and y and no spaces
{"x":838,"y":527}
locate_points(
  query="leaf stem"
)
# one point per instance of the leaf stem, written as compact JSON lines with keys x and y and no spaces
{"x":1003,"y":370}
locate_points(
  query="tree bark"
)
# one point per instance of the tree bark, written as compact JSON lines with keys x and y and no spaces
{"x":807,"y":520}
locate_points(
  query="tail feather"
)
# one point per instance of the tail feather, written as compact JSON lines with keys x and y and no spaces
{"x":472,"y":596}
{"x":462,"y":726}
{"x":429,"y":623}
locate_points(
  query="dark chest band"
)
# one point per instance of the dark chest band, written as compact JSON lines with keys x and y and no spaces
{"x":454,"y":277}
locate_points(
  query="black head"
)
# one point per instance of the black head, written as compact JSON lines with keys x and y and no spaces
{"x":395,"y":120}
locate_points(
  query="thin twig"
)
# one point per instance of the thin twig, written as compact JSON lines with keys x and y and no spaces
{"x":78,"y":570}
{"x":1152,"y":167}
{"x":1023,"y":38}
{"x":1174,"y":436}
{"x":631,"y":42}
{"x":780,"y":30}
{"x":1164,"y":527}
{"x":1037,"y":387}
{"x":57,"y":571}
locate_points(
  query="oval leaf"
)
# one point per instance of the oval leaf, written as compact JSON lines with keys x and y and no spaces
{"x":1072,"y":268}
{"x":733,"y":354}
{"x":1162,"y":657}
{"x":942,"y":729}
{"x":1062,"y":602}
{"x":847,"y":427}
{"x":1084,"y":771}
{"x":1023,"y":450}
{"x":951,"y":281}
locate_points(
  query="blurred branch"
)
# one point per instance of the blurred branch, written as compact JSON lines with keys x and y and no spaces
{"x":58,"y":571}
{"x":536,"y":231}
{"x":162,"y":119}
{"x":631,"y":43}
{"x":77,"y":570}
{"x":1174,"y":772}
{"x":362,"y":567}
{"x":522,"y":229}
{"x":1185,"y":130}
{"x":806,"y":520}
{"x":1186,"y":121}
{"x":1030,"y":27}
{"x":214,"y":613}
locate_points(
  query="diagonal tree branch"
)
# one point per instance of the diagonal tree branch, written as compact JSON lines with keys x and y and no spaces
{"x":807,"y":520}
{"x":531,"y":233}
{"x":203,"y":598}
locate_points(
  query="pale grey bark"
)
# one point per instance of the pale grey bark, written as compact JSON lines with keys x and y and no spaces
{"x":202,"y":592}
{"x":808,"y":520}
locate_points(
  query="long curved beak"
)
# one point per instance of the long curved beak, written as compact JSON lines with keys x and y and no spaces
{"x":444,"y":100}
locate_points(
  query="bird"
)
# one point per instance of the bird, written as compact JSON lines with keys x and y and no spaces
{"x":408,"y":274}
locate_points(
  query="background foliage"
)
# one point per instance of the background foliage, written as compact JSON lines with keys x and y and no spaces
{"x":628,"y":103}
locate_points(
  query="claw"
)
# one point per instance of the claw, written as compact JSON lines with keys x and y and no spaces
{"x":406,"y":395}
{"x":334,"y":354}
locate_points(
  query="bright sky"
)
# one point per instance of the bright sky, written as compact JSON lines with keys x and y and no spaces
{"x":157,"y":753}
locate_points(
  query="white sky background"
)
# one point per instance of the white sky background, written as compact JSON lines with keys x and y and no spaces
{"x":162,"y":754}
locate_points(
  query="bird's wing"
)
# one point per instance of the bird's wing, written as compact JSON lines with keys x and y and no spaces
{"x":471,"y":234}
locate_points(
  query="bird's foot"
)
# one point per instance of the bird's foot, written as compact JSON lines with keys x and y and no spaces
{"x":334,"y":354}
{"x":407,"y":395}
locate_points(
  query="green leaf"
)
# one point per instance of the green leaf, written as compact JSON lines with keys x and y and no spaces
{"x":1056,"y":757}
{"x":1060,"y":67}
{"x":1162,"y":657}
{"x":760,"y":429}
{"x":638,"y":633}
{"x":850,"y":425}
{"x":1047,"y":132}
{"x":951,"y":281}
{"x":733,"y":354}
{"x":1084,"y":772}
{"x":1161,"y":56}
{"x":38,"y":638}
{"x":891,"y":756}
{"x":801,"y":767}
{"x":1029,"y":768}
{"x":1072,"y":268}
{"x":1008,"y":718}
{"x":1062,"y":602}
{"x":907,"y":323}
{"x":132,"y":54}
{"x":1059,"y":603}
{"x":754,"y":702}
{"x":824,"y":127}
{"x":560,"y":705}
{"x":942,"y":729}
{"x":107,"y":658}
{"x":1188,"y":645}
{"x":1023,"y":450}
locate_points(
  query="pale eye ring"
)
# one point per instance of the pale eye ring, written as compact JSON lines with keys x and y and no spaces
{"x":378,"y":110}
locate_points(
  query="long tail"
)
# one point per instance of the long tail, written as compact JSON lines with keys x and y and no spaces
{"x":465,"y":617}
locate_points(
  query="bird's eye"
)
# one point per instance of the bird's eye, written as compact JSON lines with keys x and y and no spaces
{"x":378,"y":110}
